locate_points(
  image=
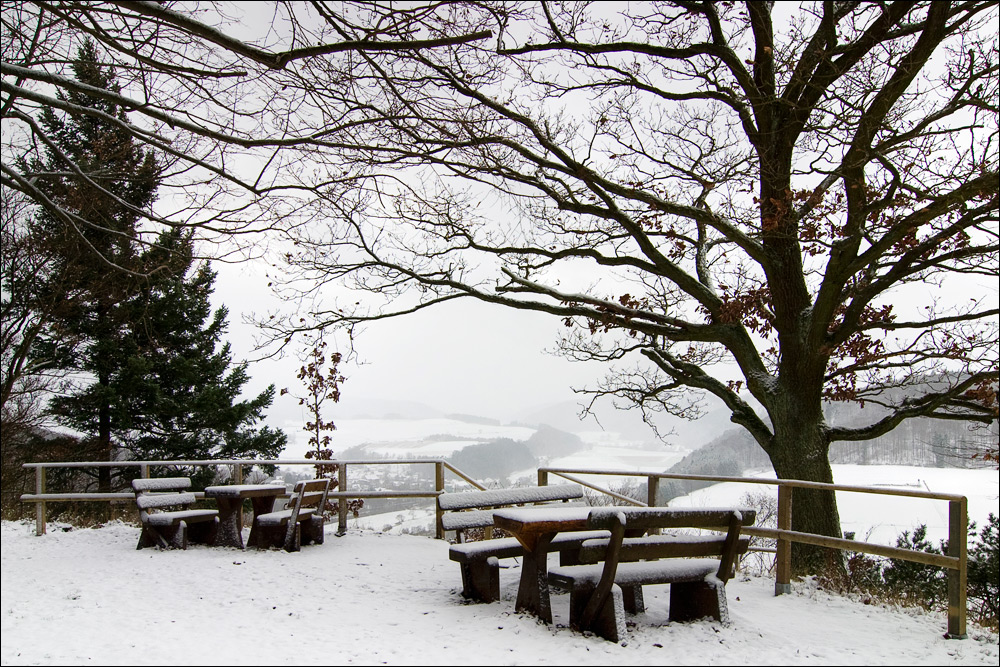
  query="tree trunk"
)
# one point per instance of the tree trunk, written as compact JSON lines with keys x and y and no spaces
{"x":801,"y":451}
{"x":104,"y":438}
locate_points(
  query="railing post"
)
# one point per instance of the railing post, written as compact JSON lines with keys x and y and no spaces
{"x":342,"y":502}
{"x":238,"y":473}
{"x":439,"y":487}
{"x":958,"y":520}
{"x":652,"y":490}
{"x":543,"y":478}
{"x":783,"y":569}
{"x":40,"y":506}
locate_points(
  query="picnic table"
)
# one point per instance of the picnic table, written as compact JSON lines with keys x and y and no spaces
{"x":601,"y":588}
{"x":534,"y":528}
{"x":229,"y":500}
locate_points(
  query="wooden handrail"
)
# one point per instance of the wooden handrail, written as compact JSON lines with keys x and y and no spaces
{"x":40,"y":497}
{"x":955,"y":562}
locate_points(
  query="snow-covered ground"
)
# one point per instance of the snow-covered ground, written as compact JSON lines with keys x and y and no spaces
{"x":79,"y":596}
{"x":86,"y":596}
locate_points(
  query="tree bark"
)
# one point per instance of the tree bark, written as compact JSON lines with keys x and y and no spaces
{"x":801,"y":451}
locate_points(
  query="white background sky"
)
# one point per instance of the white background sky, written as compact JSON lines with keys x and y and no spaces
{"x":464,"y":357}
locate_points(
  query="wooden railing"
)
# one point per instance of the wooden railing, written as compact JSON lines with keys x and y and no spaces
{"x":958,"y":517}
{"x":40,"y":497}
{"x":955,"y":561}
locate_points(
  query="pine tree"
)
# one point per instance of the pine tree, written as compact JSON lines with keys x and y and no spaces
{"x":176,"y":394}
{"x":161,"y":386}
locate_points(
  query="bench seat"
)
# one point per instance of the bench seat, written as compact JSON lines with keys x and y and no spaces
{"x":171,"y":518}
{"x":509,"y":547}
{"x":479,"y":560}
{"x":579,"y":577}
{"x":172,"y":528}
{"x":612,"y":571}
{"x":282,"y":517}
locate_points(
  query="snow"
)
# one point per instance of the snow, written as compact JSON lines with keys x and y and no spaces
{"x":514,"y":496}
{"x":78,"y":596}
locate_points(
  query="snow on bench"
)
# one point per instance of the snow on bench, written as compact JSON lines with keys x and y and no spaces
{"x":301,"y":522}
{"x":612,"y":571}
{"x":172,"y":528}
{"x":468,"y":511}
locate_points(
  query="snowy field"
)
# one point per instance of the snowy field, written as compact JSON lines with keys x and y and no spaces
{"x":86,"y":596}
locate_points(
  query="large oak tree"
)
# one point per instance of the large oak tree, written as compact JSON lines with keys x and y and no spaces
{"x":778,"y":208}
{"x":775,"y":204}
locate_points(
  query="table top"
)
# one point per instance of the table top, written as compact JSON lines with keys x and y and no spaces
{"x":245,"y":490}
{"x":527,"y":523}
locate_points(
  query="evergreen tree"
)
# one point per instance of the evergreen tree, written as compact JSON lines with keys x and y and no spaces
{"x":160,"y":387}
{"x":176,"y":393}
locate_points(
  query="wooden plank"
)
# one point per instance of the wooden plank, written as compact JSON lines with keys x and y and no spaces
{"x":61,"y":497}
{"x":958,"y":519}
{"x":852,"y":545}
{"x":515,"y":496}
{"x":382,"y":494}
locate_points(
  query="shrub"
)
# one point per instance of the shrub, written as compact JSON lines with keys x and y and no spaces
{"x":916,"y":583}
{"x":760,"y":559}
{"x":984,"y":574}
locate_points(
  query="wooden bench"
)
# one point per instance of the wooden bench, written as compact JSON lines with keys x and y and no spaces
{"x":600,"y":592}
{"x":479,"y":560}
{"x":301,"y":522}
{"x":166,"y":528}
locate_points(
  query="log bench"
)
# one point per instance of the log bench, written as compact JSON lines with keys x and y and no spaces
{"x":472,"y":511}
{"x":611,"y":572}
{"x":172,"y":528}
{"x":301,"y":522}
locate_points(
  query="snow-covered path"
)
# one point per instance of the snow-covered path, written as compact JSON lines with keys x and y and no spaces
{"x":86,"y":596}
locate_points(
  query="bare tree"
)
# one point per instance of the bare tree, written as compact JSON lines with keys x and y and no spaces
{"x":777,"y":208}
{"x":217,"y":99}
{"x":26,"y":376}
{"x":772,"y":204}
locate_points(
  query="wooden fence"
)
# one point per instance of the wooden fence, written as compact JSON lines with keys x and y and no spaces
{"x":40,"y":497}
{"x":955,"y":561}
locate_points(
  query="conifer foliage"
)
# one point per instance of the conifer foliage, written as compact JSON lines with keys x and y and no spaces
{"x":157,"y":378}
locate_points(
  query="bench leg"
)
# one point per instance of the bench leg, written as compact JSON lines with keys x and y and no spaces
{"x":692,"y":600}
{"x":293,"y":538}
{"x":204,"y":532}
{"x":150,"y":538}
{"x":481,"y":580}
{"x":266,"y":537}
{"x":632,"y":597}
{"x":609,"y":622}
{"x":312,"y":530}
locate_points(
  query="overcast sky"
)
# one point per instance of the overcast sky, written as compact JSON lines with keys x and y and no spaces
{"x":465,"y":356}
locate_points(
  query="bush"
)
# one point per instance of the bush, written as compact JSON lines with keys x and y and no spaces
{"x":905,"y":582}
{"x":984,"y":574}
{"x":916,"y":583}
{"x":760,"y":559}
